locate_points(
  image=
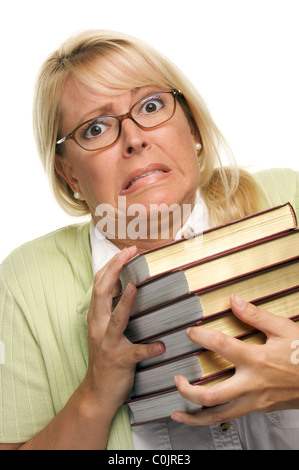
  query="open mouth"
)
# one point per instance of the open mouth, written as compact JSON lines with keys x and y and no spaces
{"x":143,"y":176}
{"x":148,"y":175}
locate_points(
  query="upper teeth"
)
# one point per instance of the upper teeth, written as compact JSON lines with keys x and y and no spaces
{"x":143,"y":175}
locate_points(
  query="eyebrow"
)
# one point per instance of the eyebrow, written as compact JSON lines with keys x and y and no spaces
{"x":101,"y":111}
{"x":106,"y":109}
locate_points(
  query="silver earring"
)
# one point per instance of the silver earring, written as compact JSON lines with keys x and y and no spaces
{"x":198,"y":147}
{"x":77,"y":195}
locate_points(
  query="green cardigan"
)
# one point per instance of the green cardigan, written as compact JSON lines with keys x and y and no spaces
{"x":45,"y":291}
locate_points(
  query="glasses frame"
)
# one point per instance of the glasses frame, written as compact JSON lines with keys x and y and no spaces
{"x":72,"y":135}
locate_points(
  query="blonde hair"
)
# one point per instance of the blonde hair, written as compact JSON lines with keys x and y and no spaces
{"x":108,"y":62}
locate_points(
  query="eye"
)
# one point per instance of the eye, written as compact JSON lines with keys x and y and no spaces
{"x":151,"y":106}
{"x":94,"y":129}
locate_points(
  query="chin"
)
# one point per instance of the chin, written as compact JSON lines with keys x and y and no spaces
{"x":157,"y":197}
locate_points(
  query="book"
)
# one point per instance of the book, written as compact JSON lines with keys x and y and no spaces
{"x":210,"y":273}
{"x":157,"y":374}
{"x":160,"y":406}
{"x":171,"y":256}
{"x":206,"y":304}
{"x":256,"y":258}
{"x":211,"y":368}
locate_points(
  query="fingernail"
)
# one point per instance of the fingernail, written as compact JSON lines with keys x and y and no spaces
{"x":129,"y":250}
{"x":177,"y":380}
{"x":176,"y":417}
{"x":159,"y":348}
{"x":129,"y":290}
{"x":238,"y":301}
{"x":132,"y":249}
{"x":121,"y":256}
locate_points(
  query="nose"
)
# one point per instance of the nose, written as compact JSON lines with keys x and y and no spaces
{"x":134,"y":138}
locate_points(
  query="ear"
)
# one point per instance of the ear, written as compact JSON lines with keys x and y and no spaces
{"x":194,"y":131}
{"x":64,"y":169}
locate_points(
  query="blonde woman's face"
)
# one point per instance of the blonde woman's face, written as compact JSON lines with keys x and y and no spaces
{"x":167,"y":152}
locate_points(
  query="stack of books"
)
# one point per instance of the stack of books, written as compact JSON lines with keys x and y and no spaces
{"x":189,"y":282}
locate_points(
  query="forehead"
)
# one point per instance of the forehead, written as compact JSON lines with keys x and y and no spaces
{"x":77,"y":96}
{"x":79,"y":102}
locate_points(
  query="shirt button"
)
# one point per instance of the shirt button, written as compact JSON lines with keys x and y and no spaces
{"x":225,"y":426}
{"x":188,"y":232}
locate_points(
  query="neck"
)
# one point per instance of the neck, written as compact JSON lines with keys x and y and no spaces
{"x":142,"y":245}
{"x":147,"y":231}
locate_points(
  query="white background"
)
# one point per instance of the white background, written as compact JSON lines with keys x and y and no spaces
{"x":241,"y":54}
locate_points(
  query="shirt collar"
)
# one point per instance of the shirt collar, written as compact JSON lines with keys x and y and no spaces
{"x":103,"y":249}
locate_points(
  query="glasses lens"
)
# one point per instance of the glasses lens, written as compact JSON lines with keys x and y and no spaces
{"x":98,"y":133}
{"x":154,"y":109}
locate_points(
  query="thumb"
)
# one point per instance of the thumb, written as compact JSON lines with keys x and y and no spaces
{"x":141,"y":352}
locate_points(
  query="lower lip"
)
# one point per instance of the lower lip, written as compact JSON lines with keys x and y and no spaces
{"x":145,"y":181}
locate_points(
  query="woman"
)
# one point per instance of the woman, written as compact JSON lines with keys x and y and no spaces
{"x":68,"y":367}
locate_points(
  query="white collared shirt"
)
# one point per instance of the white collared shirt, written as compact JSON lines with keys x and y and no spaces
{"x":103,"y":249}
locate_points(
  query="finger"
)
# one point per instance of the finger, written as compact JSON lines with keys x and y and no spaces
{"x":107,"y":278}
{"x":120,"y":316}
{"x":141,"y":352}
{"x":223,"y":413}
{"x":209,"y":394}
{"x":118,"y":323}
{"x":216,"y":415}
{"x":217,"y":403}
{"x":261,"y":319}
{"x":232,"y":349}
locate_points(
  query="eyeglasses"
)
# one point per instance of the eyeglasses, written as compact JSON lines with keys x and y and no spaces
{"x":101,"y":132}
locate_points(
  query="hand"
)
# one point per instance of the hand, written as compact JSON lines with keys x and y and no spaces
{"x":266,"y":378}
{"x":112,"y":357}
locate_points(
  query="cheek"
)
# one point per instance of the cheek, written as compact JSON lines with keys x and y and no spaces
{"x":184,"y":152}
{"x":188,"y":164}
{"x":96,"y":181}
{"x":181,"y":138}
